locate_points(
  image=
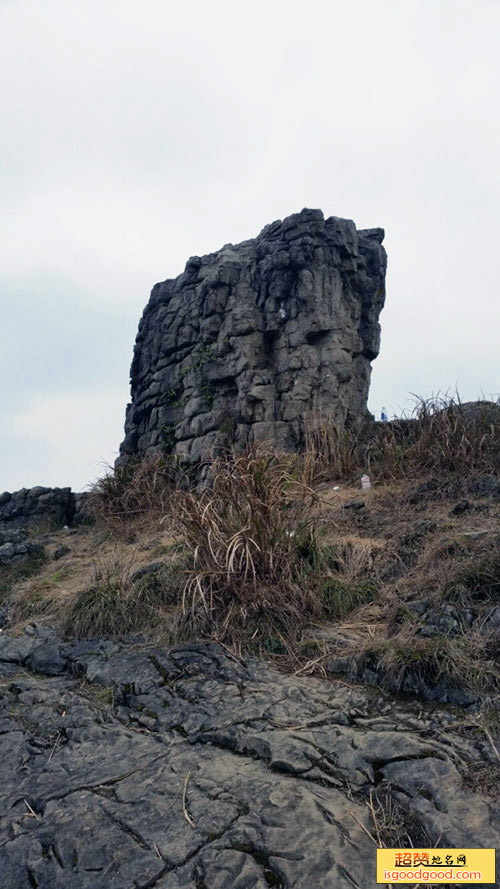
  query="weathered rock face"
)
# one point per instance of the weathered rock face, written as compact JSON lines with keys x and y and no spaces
{"x":249,"y":340}
{"x":189,"y":768}
{"x":52,"y":507}
{"x":42,"y":507}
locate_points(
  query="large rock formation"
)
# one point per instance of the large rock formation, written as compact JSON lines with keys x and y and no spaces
{"x":249,"y":340}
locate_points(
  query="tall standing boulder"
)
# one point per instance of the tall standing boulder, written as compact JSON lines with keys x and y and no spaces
{"x":249,"y":341}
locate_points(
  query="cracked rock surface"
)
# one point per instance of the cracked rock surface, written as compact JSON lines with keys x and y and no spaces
{"x":134,"y":767}
{"x":246,"y":340}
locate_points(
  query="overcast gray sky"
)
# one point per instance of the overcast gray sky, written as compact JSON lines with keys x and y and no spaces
{"x":139,"y":132}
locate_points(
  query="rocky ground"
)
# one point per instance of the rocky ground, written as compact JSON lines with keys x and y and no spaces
{"x":133,"y":767}
{"x":130,"y":760}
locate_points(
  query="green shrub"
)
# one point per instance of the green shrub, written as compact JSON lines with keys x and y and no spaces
{"x":106,"y":607}
{"x":340,"y":597}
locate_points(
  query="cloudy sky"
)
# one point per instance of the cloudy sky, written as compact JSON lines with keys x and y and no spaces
{"x":139,"y":132}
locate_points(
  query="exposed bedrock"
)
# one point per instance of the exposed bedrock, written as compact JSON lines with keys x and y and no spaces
{"x":46,"y":508}
{"x":190,"y":768}
{"x":248,"y":341}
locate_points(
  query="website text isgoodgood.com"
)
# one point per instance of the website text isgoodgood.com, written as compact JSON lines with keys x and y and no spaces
{"x":454,"y":876}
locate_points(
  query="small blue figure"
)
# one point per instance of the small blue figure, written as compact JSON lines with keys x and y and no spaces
{"x":383,"y":416}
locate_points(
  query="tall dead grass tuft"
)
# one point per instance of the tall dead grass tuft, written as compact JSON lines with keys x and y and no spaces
{"x":442,"y":435}
{"x":331,"y":451}
{"x":251,"y":536}
{"x":137,"y":492}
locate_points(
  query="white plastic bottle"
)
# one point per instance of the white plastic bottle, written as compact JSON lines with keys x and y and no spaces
{"x":365,"y":482}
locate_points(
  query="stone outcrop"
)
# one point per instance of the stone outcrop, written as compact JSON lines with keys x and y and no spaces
{"x":248,"y":341}
{"x":190,"y":768}
{"x":41,"y":508}
{"x":15,"y":548}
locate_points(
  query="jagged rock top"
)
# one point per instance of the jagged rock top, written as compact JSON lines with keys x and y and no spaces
{"x":250,"y":339}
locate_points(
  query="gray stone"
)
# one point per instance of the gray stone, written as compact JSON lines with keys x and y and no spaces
{"x":40,"y":509}
{"x":248,"y":341}
{"x":60,"y":552}
{"x":7,"y":550}
{"x":485,"y":486}
{"x":16,"y":549}
{"x":195,"y":769}
{"x":45,"y":507}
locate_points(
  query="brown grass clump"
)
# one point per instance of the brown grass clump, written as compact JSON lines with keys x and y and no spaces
{"x":350,"y":579}
{"x":331,"y":451}
{"x":442,"y":436}
{"x":252,"y":537}
{"x":477,"y":582}
{"x":462,"y":661}
{"x":137,"y":493}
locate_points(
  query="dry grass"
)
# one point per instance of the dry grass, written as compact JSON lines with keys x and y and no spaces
{"x":97,"y":556}
{"x":275,"y":549}
{"x":392,"y":827}
{"x":476,"y":582}
{"x":330,"y":452}
{"x":442,"y":436}
{"x":116,"y":604}
{"x":350,"y":579}
{"x":137,"y":495}
{"x":463,"y":661}
{"x":39,"y":596}
{"x":253,"y":541}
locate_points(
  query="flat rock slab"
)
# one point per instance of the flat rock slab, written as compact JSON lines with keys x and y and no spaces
{"x":131,"y":768}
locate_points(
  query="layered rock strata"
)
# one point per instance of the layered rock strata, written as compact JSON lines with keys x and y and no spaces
{"x":249,"y":341}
